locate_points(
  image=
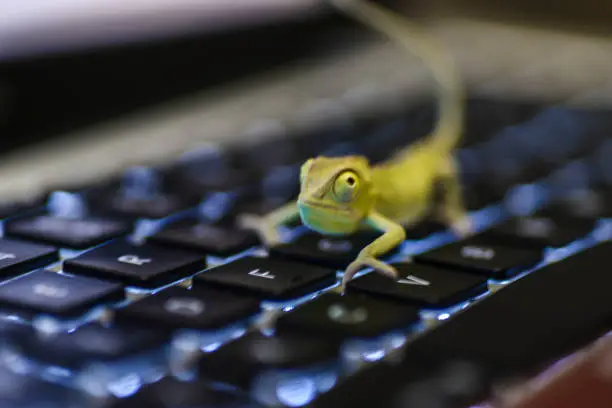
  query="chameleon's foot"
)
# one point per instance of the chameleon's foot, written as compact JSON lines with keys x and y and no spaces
{"x":463,"y":227}
{"x":266,"y":231}
{"x":364,"y":261}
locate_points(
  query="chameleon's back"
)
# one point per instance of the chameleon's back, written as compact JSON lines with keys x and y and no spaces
{"x":403,"y":183}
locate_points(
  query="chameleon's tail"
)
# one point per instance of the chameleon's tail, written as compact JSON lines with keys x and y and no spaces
{"x":448,"y":130}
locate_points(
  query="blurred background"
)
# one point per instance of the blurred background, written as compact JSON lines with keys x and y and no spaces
{"x":89,"y":88}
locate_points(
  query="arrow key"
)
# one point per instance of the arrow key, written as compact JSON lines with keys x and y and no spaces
{"x":423,"y":285}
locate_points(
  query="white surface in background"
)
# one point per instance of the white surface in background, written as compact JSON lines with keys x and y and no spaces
{"x":28,"y":26}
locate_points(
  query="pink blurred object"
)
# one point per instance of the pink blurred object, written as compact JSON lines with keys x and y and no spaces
{"x":583,"y":380}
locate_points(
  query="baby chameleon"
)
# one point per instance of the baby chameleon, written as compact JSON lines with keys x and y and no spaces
{"x":339,"y":196}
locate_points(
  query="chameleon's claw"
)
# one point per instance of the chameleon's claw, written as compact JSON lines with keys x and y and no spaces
{"x":367,"y":261}
{"x":463,"y":227}
{"x":260,"y":225}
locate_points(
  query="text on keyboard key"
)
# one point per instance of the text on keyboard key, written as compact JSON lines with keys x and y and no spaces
{"x":526,"y":326}
{"x":65,"y":232}
{"x":209,"y":239}
{"x":423,"y":285}
{"x":539,"y":231}
{"x":49,"y":292}
{"x":18,"y":257}
{"x":144,"y":266}
{"x":269,"y":278}
{"x":349,"y":316}
{"x":333,"y":252}
{"x":198,"y":308}
{"x":496,"y":261}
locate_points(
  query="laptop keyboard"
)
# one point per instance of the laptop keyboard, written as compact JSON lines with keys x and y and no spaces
{"x":142,"y":291}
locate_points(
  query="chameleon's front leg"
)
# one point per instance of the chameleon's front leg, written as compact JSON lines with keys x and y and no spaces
{"x":393,"y":235}
{"x":267,"y":226}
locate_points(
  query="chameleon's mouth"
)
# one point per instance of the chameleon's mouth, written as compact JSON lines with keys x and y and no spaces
{"x":327,"y":218}
{"x":335,"y":208}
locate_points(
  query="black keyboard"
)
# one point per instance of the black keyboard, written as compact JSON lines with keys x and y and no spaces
{"x":141,"y":291}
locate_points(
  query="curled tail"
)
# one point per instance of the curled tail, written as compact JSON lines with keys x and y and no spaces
{"x":449,"y":128}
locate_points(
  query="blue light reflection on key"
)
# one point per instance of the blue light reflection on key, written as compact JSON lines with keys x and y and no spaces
{"x":296,"y":392}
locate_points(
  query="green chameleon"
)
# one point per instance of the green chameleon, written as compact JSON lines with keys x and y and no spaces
{"x":339,"y":196}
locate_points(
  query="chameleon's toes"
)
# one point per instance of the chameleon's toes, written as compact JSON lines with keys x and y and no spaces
{"x":463,"y":227}
{"x":267,"y":233}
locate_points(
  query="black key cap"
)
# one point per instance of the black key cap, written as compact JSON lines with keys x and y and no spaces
{"x":49,"y":292}
{"x":92,"y":343}
{"x":19,"y":390}
{"x":144,"y":266}
{"x":198,"y":308}
{"x":538,"y":231}
{"x":256,"y":353}
{"x":475,"y":256}
{"x":333,"y":252}
{"x":142,"y":193}
{"x":65,"y":232}
{"x":423,"y":285}
{"x":208,"y":239}
{"x":269,"y":278}
{"x":173,"y":393}
{"x":18,"y":257}
{"x":520,"y":329}
{"x":349,"y":316}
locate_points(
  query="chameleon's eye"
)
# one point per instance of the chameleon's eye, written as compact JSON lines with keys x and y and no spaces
{"x":346,"y":186}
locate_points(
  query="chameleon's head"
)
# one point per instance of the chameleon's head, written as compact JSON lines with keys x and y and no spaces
{"x":335,"y":194}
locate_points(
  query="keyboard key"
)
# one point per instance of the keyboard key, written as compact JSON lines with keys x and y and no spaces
{"x":333,"y":252}
{"x":91,"y":343}
{"x":256,"y":353}
{"x":144,"y":266}
{"x":198,"y":308}
{"x":66,"y":232}
{"x":208,"y":239}
{"x":172,"y":393}
{"x":539,"y":231}
{"x":423,"y":285}
{"x":531,"y":323}
{"x":142,"y":193}
{"x":17,"y":257}
{"x":269,"y":278}
{"x":49,"y":292}
{"x":344,"y":317}
{"x":19,"y":390}
{"x":475,"y":256}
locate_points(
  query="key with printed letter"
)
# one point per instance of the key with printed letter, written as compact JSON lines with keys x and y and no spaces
{"x":522,"y":328}
{"x":538,"y":231}
{"x":209,"y":239}
{"x":350,"y":316}
{"x":49,"y":292}
{"x":424,"y":285}
{"x":66,"y":232}
{"x":269,"y":278}
{"x":198,"y":308}
{"x":333,"y":252}
{"x":144,"y":266}
{"x":18,"y":257}
{"x":473,"y":255}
